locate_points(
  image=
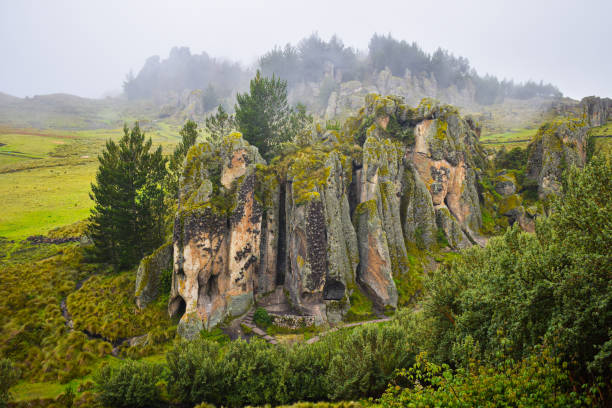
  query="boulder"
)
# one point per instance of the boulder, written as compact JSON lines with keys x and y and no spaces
{"x":556,"y":146}
{"x":452,"y":230}
{"x":149,"y":274}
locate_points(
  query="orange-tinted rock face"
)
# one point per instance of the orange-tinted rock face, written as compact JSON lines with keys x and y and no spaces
{"x":445,"y":172}
{"x":216,"y":245}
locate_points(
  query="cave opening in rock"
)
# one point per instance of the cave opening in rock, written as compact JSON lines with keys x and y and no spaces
{"x":177,"y":307}
{"x":333,"y":290}
{"x":212,"y":287}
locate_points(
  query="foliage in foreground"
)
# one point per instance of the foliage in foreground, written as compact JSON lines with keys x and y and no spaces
{"x":553,"y":287}
{"x":131,"y":384}
{"x":536,"y":381}
{"x":344,"y":365}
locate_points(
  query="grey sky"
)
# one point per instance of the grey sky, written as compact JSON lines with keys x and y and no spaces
{"x":87,"y":47}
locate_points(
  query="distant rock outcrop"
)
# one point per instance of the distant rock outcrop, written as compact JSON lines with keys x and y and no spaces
{"x":327,"y":220}
{"x":597,"y":110}
{"x":556,"y":146}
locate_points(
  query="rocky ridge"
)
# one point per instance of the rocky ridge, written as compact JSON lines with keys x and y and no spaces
{"x":326,"y":222}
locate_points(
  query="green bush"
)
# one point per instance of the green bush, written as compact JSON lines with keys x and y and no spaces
{"x":195,"y":373}
{"x":129,"y":384}
{"x":365,"y":359}
{"x":523,"y":290}
{"x":536,"y":381}
{"x":262,"y":318}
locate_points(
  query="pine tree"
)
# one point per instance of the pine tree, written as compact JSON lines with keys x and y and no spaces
{"x":220,"y":124}
{"x":263,"y":114}
{"x":189,"y":134}
{"x":127,"y":220}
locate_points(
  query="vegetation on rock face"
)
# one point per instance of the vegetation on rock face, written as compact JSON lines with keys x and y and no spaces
{"x":127,"y":220}
{"x":220,"y":125}
{"x":262,"y":115}
{"x":189,"y":135}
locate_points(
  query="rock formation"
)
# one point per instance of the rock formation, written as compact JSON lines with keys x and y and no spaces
{"x":149,"y":274}
{"x":216,"y":235}
{"x":597,"y":110}
{"x":556,"y":146}
{"x":330,"y":219}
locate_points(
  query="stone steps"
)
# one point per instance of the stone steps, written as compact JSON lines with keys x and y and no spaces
{"x":248,"y":322}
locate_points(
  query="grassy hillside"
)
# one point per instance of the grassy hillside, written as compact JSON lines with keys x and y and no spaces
{"x":45,"y":175}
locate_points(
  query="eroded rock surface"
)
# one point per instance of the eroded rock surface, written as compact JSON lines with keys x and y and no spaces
{"x":340,"y":215}
{"x":597,"y":110}
{"x":149,"y":273}
{"x":216,"y":235}
{"x":556,"y":146}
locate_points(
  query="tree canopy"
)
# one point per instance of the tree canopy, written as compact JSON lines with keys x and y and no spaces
{"x":127,"y":220}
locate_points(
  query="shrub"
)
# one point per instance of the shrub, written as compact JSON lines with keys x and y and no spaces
{"x":129,"y":384}
{"x":195,"y":372}
{"x":365,"y":359}
{"x":535,"y":381}
{"x":523,"y":290}
{"x":262,"y":318}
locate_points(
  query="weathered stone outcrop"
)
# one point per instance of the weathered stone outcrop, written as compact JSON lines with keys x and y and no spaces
{"x":381,"y":240}
{"x":216,"y":235}
{"x":455,"y":236}
{"x":597,"y":110}
{"x":149,"y":273}
{"x":322,"y":253}
{"x":446,"y":156}
{"x":419,"y":217}
{"x":305,"y":232}
{"x":556,"y":146}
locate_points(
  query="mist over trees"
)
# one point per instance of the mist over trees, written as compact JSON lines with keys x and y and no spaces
{"x":316,"y":60}
{"x":183,"y":70}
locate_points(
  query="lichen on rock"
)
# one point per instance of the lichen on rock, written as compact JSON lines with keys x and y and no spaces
{"x":149,"y":273}
{"x":556,"y":146}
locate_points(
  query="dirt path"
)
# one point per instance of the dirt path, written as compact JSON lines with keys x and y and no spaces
{"x":248,"y":322}
{"x":345,"y":326}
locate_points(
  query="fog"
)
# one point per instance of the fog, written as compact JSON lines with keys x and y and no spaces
{"x":87,"y":48}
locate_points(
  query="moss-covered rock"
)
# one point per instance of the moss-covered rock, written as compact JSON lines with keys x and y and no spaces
{"x":556,"y":146}
{"x":216,"y":234}
{"x":321,"y":244}
{"x":149,"y":273}
{"x":455,"y":236}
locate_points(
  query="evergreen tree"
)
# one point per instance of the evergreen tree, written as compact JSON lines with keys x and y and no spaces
{"x":189,"y":134}
{"x":127,"y":220}
{"x":263,"y":114}
{"x":220,"y":124}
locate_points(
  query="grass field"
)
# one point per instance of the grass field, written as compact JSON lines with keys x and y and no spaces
{"x":509,"y":140}
{"x":45,"y":175}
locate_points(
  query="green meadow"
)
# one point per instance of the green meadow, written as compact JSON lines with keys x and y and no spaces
{"x":45,"y":175}
{"x":509,"y":140}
